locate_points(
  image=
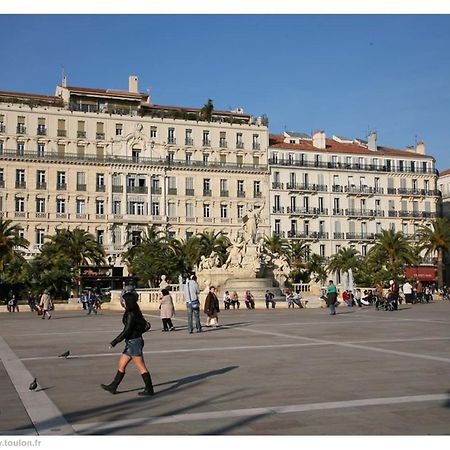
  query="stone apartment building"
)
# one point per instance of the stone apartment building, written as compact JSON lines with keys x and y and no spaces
{"x":339,"y":192}
{"x":112,"y":162}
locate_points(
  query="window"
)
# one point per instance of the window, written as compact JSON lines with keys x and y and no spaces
{"x":135,"y":237}
{"x":322,"y":250}
{"x":20,"y":178}
{"x":60,"y":206}
{"x":21,"y":125}
{"x":223,"y":211}
{"x":135,"y":154}
{"x":155,"y":209}
{"x":188,"y":158}
{"x":81,"y":206}
{"x":81,"y":181}
{"x":100,"y":236}
{"x":224,"y":187}
{"x":40,"y":205}
{"x":239,"y":160}
{"x":277,"y":227}
{"x":188,"y":138}
{"x":205,"y":158}
{"x":255,"y":142}
{"x":239,"y":140}
{"x":206,"y":210}
{"x":206,"y":142}
{"x":119,"y":129}
{"x":41,"y":179}
{"x":256,"y":189}
{"x":40,"y":235}
{"x":1,"y":147}
{"x":116,"y":207}
{"x":61,"y":180}
{"x":80,"y":151}
{"x":20,"y":149}
{"x":136,"y":208}
{"x":40,"y":149}
{"x":321,"y":203}
{"x":99,"y":207}
{"x":171,"y":210}
{"x":153,"y":132}
{"x":190,"y":210}
{"x":276,"y":203}
{"x":100,"y":134}
{"x":100,"y":182}
{"x":61,"y":132}
{"x":223,"y":139}
{"x":81,"y":131}
{"x":240,"y":211}
{"x":2,"y":178}
{"x":240,"y":187}
{"x":206,"y":186}
{"x":171,"y":136}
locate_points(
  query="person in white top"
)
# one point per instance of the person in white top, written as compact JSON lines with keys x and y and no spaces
{"x":191,"y":297}
{"x":408,"y":292}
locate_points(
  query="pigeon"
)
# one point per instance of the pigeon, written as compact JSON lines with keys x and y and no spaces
{"x":65,"y":354}
{"x":33,"y":385}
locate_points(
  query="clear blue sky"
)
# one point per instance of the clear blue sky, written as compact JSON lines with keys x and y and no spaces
{"x":344,"y":74}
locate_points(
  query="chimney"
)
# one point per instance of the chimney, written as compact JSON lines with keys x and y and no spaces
{"x":372,"y":141}
{"x":420,"y":148}
{"x":319,"y":140}
{"x":133,"y":84}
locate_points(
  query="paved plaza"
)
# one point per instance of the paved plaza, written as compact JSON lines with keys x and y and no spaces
{"x":264,"y":372}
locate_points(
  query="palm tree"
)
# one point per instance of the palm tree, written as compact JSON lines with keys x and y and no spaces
{"x":78,"y":245}
{"x":275,"y":244}
{"x":343,"y":260}
{"x":10,"y":243}
{"x":391,"y":252}
{"x":209,"y":242}
{"x":297,"y":253}
{"x":436,"y":241}
{"x":316,"y":267}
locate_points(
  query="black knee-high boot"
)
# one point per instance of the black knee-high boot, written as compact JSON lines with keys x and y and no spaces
{"x":112,"y":387}
{"x":148,"y":384}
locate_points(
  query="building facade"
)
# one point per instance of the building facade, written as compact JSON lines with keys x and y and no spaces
{"x":339,"y":192}
{"x":112,"y":162}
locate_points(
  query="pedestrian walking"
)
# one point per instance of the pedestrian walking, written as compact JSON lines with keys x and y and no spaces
{"x":45,"y":304}
{"x":332,"y":297}
{"x":191,"y":297}
{"x":211,"y":308}
{"x":167,"y":310}
{"x":31,"y":301}
{"x":134,"y":326}
{"x":91,"y":303}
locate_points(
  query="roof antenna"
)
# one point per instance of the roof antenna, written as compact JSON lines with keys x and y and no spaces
{"x":63,"y":77}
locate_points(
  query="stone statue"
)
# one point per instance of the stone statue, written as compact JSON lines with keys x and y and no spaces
{"x":281,"y":269}
{"x":208,"y":263}
{"x":164,"y":283}
{"x":251,"y":221}
{"x":236,"y":255}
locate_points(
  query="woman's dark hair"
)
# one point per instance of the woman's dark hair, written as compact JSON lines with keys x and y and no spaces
{"x":164,"y":292}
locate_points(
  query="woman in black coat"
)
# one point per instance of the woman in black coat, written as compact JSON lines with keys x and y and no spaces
{"x":212,"y":307}
{"x":134,"y":325}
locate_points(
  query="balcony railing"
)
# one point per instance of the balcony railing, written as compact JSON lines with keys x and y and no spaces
{"x":277,"y":185}
{"x":359,"y":212}
{"x":239,"y":145}
{"x":360,"y":236}
{"x":256,"y":146}
{"x":81,"y":187}
{"x":310,"y":235}
{"x":190,"y":192}
{"x":41,"y":131}
{"x":365,"y":190}
{"x":100,"y":136}
{"x":117,"y":188}
{"x":223,"y":143}
{"x":54,"y":156}
{"x":81,"y":134}
{"x":2,"y":128}
{"x":206,"y":143}
{"x":41,"y":185}
{"x":156,"y":190}
{"x":21,"y":184}
{"x":417,"y":192}
{"x":61,"y":133}
{"x":307,"y":187}
{"x":338,"y":235}
{"x":278,"y":210}
{"x":100,"y":188}
{"x":137,"y":189}
{"x":171,"y":140}
{"x":61,"y":186}
{"x":172,"y":191}
{"x":224,"y":193}
{"x":241,"y":194}
{"x":189,"y":141}
{"x":2,"y":183}
{"x":21,"y":129}
{"x":207,"y":192}
{"x":344,"y":166}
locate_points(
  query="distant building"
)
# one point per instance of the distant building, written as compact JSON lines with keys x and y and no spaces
{"x":112,"y":162}
{"x":444,"y":187}
{"x":340,"y":192}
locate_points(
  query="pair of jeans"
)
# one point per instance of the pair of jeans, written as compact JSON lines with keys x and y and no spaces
{"x":333,"y":308}
{"x":193,"y":312}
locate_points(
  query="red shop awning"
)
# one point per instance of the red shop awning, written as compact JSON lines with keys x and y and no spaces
{"x":422,"y":273}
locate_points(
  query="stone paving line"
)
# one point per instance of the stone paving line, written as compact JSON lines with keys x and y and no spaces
{"x":233,"y":413}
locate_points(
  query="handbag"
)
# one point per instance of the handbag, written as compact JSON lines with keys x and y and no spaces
{"x":195,"y":304}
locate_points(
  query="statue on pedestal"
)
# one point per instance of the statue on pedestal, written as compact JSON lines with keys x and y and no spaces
{"x":251,"y":221}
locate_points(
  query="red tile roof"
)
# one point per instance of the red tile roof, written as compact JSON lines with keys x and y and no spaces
{"x":444,"y":172}
{"x":332,"y":146}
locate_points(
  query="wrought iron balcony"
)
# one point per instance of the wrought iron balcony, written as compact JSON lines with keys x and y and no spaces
{"x":61,"y":133}
{"x":81,"y":134}
{"x":137,"y":190}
